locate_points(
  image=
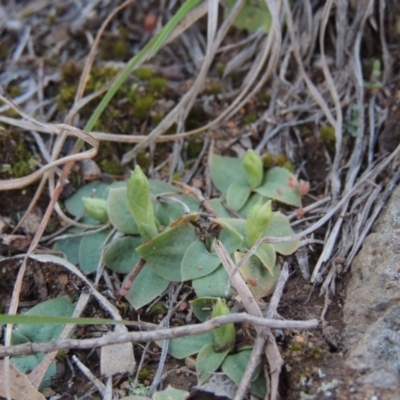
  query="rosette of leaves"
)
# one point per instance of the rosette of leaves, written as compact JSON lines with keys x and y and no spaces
{"x":155,"y":222}
{"x":244,"y":181}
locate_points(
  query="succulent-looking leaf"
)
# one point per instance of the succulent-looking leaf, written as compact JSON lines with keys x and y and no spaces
{"x":188,"y":345}
{"x":140,"y":203}
{"x":280,"y":184}
{"x":70,"y":246}
{"x":96,"y":189}
{"x":219,"y":208}
{"x":212,"y":285}
{"x":280,"y":227}
{"x":226,"y":170}
{"x":90,"y":251}
{"x":258,"y":278}
{"x":253,"y":199}
{"x":266,"y":254}
{"x":198,"y":261}
{"x":145,"y":288}
{"x":224,"y":336}
{"x":231,"y":239}
{"x":119,"y":212}
{"x":234,"y":366}
{"x":208,"y":361}
{"x":164,"y":253}
{"x":258,"y":220}
{"x":237,"y":195}
{"x":202,"y":307}
{"x":96,"y":208}
{"x":121,"y":256}
{"x":253,"y":166}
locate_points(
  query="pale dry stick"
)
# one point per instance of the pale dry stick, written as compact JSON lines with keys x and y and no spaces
{"x":255,"y":357}
{"x":86,"y":371}
{"x":251,"y":306}
{"x":334,"y":173}
{"x":260,"y":341}
{"x":155,"y":335}
{"x":387,"y":61}
{"x":276,"y":297}
{"x":311,"y":87}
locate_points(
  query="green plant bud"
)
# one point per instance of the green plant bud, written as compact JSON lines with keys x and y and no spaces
{"x":96,"y":208}
{"x":224,"y":336}
{"x":139,"y":200}
{"x":258,"y":220}
{"x":253,"y":166}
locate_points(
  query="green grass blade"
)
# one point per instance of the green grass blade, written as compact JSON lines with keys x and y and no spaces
{"x":166,"y":31}
{"x":40,"y":320}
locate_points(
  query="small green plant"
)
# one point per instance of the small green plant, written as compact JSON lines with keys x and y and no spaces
{"x":155,"y":227}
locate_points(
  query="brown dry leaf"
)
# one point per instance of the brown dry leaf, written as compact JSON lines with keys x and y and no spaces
{"x":20,"y":387}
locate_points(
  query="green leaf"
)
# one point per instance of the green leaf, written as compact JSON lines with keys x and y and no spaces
{"x":208,"y":361}
{"x":119,"y":212}
{"x":231,"y":239}
{"x":186,"y":346}
{"x":280,"y":184}
{"x":169,"y":209}
{"x":224,"y":336}
{"x":237,"y":195}
{"x":164,"y":253}
{"x":266,"y":254}
{"x":121,"y":256}
{"x":212,"y":285}
{"x":280,"y":227}
{"x":202,"y":307}
{"x":90,"y":251}
{"x":234,"y":366}
{"x":253,"y":15}
{"x":198,"y":262}
{"x":70,"y":246}
{"x":258,"y":278}
{"x":219,"y":208}
{"x":253,"y":199}
{"x":258,"y":220}
{"x":171,"y":393}
{"x":140,"y":204}
{"x":159,"y":188}
{"x":74,"y":204}
{"x":145,"y":288}
{"x":96,"y":208}
{"x":226,"y":170}
{"x":254,"y":168}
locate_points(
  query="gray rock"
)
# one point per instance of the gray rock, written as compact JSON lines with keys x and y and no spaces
{"x":371,"y":335}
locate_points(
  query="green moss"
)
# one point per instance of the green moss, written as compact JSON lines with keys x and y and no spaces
{"x":111,"y":167}
{"x":315,"y":353}
{"x":115,"y":48}
{"x":157,"y":117}
{"x":295,"y":347}
{"x":157,"y":308}
{"x":250,"y":118}
{"x":220,"y":68}
{"x":158,"y":84}
{"x":144,"y":160}
{"x":143,"y":105}
{"x":19,"y":159}
{"x":193,"y":146}
{"x":280,"y":160}
{"x":305,"y":130}
{"x":215,"y":89}
{"x":145,"y":374}
{"x":144,"y":73}
{"x":328,"y":134}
